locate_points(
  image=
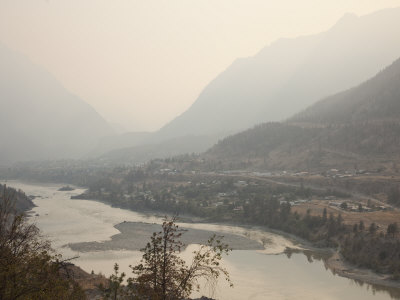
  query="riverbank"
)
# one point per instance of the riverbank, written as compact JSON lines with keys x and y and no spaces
{"x":102,"y":231}
{"x":335,"y":263}
{"x":134,"y":235}
{"x":339,"y":266}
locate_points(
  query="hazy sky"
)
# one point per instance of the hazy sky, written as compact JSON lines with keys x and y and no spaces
{"x":141,"y":63}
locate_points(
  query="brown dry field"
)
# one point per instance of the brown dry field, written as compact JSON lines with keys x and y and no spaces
{"x":381,"y":218}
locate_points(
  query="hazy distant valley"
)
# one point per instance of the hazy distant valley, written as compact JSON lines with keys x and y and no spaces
{"x":41,"y":120}
{"x":293,"y":151}
{"x":281,"y":80}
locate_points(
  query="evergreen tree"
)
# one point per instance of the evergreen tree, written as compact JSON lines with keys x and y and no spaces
{"x":163,"y":275}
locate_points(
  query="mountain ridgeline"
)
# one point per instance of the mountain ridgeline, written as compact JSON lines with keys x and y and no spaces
{"x":39,"y":118}
{"x":281,"y":80}
{"x":291,"y":74}
{"x":358,"y":127}
{"x":377,"y":99}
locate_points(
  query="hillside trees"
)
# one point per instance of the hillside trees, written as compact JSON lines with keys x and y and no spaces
{"x":115,"y":289}
{"x":392,"y":229}
{"x":368,"y":249}
{"x":29,"y":269}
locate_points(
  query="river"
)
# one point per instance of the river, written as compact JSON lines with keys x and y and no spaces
{"x":267,"y":274}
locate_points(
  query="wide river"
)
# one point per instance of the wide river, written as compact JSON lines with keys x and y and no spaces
{"x":267,"y":274}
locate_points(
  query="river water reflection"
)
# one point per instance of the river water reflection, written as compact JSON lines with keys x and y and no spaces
{"x":268,"y":274}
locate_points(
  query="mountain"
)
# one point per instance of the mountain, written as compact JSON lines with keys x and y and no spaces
{"x":168,"y":148}
{"x":358,"y":127}
{"x":291,"y":74}
{"x":122,"y":141}
{"x":376,"y":99}
{"x":280,"y":80}
{"x":39,"y":118}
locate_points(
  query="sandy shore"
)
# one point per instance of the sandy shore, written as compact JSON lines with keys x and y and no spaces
{"x":135,"y":235}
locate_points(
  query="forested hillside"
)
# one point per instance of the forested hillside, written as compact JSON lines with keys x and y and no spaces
{"x":360,"y":127}
{"x":21,"y":203}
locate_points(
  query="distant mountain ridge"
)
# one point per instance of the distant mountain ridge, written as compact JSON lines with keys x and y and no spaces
{"x":291,"y":74}
{"x":168,"y":148}
{"x":281,"y":80}
{"x":358,"y":127}
{"x":376,"y":99}
{"x":39,"y":118}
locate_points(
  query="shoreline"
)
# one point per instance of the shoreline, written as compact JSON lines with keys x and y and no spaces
{"x":339,"y":266}
{"x":335,"y":263}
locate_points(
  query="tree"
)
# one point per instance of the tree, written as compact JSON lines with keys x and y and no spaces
{"x":115,"y":289}
{"x":361,"y":225}
{"x":324,"y":215}
{"x":339,"y":220}
{"x":372,"y":228}
{"x":29,"y":269}
{"x":392,"y":229}
{"x":163,"y":275}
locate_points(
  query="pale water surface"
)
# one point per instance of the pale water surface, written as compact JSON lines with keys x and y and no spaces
{"x":267,"y":274}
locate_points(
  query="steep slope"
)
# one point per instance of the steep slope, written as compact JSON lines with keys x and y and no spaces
{"x":360,"y":126}
{"x":20,"y":201}
{"x":39,"y":118}
{"x":375,"y":99}
{"x":291,"y":74}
